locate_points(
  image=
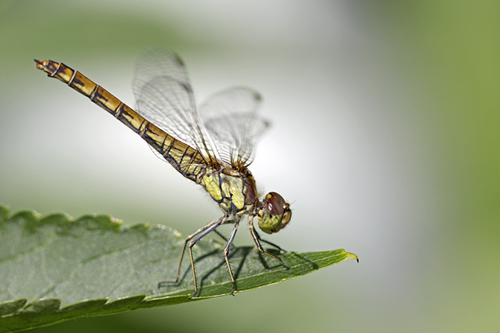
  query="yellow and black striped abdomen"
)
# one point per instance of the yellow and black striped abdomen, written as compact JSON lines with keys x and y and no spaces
{"x":185,"y":159}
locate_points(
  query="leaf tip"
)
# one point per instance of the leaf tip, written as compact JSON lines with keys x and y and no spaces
{"x":352,"y":256}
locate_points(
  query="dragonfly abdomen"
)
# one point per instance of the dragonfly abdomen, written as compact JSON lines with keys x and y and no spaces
{"x":185,"y":159}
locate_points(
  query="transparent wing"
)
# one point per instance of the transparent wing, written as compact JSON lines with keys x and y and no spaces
{"x":231,"y":119}
{"x":165,"y":98}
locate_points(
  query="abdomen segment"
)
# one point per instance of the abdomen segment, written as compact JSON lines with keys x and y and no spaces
{"x":185,"y":159}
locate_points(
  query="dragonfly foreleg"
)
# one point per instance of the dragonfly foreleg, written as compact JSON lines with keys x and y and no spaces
{"x":256,"y":239}
{"x":268,"y":242}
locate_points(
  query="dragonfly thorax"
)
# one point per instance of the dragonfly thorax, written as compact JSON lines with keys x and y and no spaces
{"x":233,"y":190}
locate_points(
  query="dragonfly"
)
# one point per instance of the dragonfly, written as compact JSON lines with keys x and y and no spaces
{"x":212,"y":145}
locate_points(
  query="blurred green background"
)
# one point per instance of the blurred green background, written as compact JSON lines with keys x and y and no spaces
{"x":385,"y":139}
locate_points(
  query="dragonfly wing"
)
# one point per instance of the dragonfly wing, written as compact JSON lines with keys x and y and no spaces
{"x":165,"y":98}
{"x":231,"y":119}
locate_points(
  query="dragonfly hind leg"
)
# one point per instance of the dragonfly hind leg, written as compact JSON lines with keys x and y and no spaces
{"x":189,"y":239}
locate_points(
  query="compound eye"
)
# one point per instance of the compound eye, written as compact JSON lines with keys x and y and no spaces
{"x":274,"y":213}
{"x":275,"y":204}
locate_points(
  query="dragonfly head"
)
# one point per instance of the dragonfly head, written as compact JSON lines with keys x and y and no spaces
{"x":274,"y":214}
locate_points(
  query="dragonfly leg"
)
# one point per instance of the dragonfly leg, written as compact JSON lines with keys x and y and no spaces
{"x":208,"y":228}
{"x":188,"y":238}
{"x":226,"y":253}
{"x":225,"y":239}
{"x":256,"y":239}
{"x":268,"y":242}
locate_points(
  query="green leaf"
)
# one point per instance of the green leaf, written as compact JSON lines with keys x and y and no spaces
{"x":55,"y":268}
